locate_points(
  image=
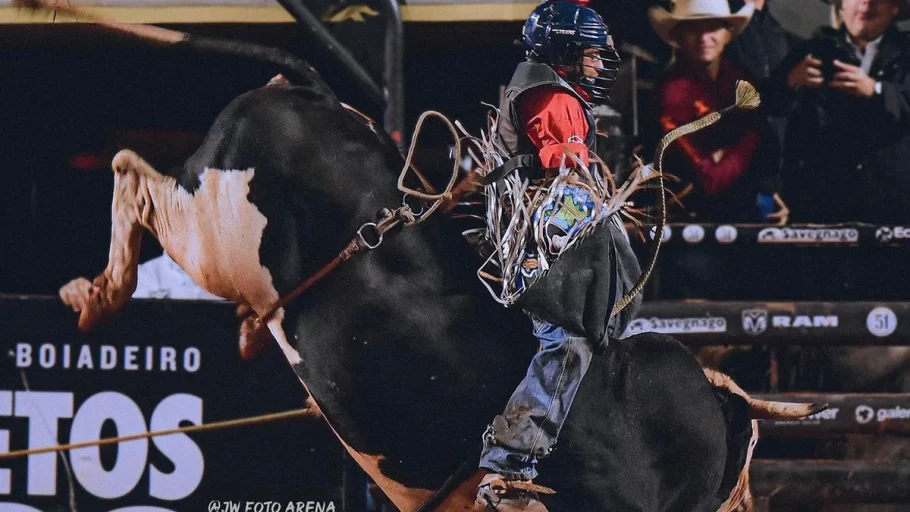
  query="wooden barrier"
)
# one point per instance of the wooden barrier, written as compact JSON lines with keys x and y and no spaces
{"x":831,"y":481}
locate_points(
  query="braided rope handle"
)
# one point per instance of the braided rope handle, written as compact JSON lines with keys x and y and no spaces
{"x":747,"y":98}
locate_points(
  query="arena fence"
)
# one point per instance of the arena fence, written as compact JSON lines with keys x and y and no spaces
{"x":772,"y":327}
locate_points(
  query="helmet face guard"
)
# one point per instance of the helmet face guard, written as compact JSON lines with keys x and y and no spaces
{"x":594,"y":71}
{"x":574,"y":41}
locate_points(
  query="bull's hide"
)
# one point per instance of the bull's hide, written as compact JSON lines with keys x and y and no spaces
{"x":581,"y":287}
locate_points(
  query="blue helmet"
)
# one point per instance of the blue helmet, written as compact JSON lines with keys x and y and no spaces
{"x":560,"y":33}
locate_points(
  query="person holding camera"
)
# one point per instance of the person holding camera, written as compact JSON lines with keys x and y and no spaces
{"x":846,"y":93}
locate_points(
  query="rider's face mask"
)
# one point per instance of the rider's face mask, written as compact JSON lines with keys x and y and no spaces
{"x":596,"y":71}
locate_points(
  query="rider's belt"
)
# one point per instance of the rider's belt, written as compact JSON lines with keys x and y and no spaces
{"x":525,"y":161}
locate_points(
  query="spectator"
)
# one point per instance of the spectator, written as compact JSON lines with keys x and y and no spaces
{"x":762,"y":45}
{"x":159,"y":278}
{"x":729,"y":170}
{"x":846,"y":89}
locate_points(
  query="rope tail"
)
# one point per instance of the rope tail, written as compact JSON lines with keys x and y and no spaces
{"x":298,"y":70}
{"x":747,"y":98}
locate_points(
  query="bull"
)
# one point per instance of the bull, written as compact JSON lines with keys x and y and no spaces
{"x":402,"y":350}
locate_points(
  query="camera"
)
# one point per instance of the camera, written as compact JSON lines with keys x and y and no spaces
{"x":828,"y":48}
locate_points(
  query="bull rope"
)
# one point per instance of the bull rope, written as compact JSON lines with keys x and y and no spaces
{"x":375,"y":231}
{"x":238,"y":422}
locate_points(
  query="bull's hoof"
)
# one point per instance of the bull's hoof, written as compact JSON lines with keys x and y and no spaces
{"x":91,"y":317}
{"x":95,"y":314}
{"x":253,"y":339}
{"x":103,"y":303}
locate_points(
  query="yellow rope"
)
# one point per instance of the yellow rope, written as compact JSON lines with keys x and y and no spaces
{"x":306,"y":411}
{"x":747,"y":98}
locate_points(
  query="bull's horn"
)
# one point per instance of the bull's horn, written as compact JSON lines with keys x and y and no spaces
{"x":763,"y":409}
{"x":766,"y":410}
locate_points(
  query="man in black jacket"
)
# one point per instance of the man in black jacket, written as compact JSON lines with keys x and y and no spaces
{"x":761,"y":47}
{"x":847,"y":93}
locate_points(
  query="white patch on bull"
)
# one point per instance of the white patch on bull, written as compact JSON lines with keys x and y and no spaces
{"x":277,"y":331}
{"x":214,"y":234}
{"x":218,"y":244}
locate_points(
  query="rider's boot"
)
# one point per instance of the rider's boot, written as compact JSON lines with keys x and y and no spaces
{"x":498,"y":494}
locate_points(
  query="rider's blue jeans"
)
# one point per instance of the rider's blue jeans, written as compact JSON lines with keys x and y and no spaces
{"x":528,"y":428}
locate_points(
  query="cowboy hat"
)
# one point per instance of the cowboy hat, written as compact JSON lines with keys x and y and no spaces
{"x":664,"y":21}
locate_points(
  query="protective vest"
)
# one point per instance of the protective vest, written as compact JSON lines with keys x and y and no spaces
{"x":580,"y":289}
{"x":527,"y":76}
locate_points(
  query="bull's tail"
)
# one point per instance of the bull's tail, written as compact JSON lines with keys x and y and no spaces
{"x":740,"y":499}
{"x":296,"y":69}
{"x":764,"y":409}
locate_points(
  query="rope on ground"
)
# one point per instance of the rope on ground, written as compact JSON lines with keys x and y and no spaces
{"x":239,"y":422}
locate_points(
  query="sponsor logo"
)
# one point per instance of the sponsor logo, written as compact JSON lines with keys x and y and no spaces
{"x":881,"y":322}
{"x":725,"y":234}
{"x":667,"y":233}
{"x":815,"y":419}
{"x":755,"y":321}
{"x":864,"y":414}
{"x":884,"y":235}
{"x":826,"y":415}
{"x":804,"y":321}
{"x":708,"y":324}
{"x":693,"y":233}
{"x":562,"y":31}
{"x":356,"y":13}
{"x":173,"y":465}
{"x":894,"y":413}
{"x":108,"y":357}
{"x":807,"y":235}
{"x":887,"y":234}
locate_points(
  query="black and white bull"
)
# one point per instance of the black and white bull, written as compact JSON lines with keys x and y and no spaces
{"x":406,"y":355}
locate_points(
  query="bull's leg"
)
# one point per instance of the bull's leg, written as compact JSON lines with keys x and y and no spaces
{"x":131,"y":203}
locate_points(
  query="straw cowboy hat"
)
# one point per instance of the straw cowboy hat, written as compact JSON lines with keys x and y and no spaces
{"x":664,"y":21}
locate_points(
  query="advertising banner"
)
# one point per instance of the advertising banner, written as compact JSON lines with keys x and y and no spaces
{"x":160,"y":365}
